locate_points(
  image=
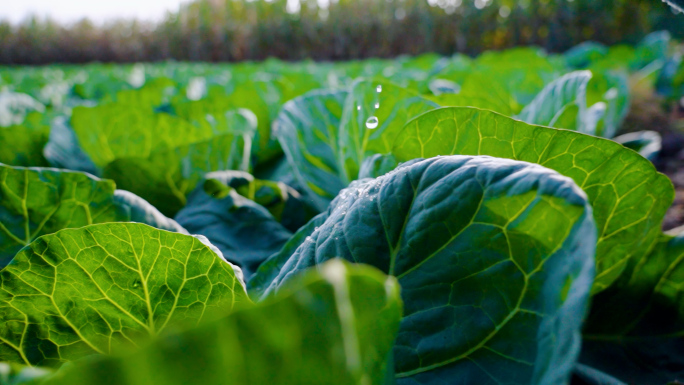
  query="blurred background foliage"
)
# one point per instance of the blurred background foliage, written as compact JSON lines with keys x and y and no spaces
{"x":236,"y":30}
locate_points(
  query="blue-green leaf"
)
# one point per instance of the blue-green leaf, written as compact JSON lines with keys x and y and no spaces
{"x":494,"y":258}
{"x":245,"y":231}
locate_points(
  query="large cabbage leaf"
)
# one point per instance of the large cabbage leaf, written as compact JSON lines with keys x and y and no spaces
{"x":327,"y":135}
{"x":166,"y":177}
{"x":334,"y":325}
{"x":39,"y":201}
{"x":155,"y":155}
{"x":494,"y":258}
{"x":629,"y":198}
{"x":636,"y":328}
{"x":111,"y":131}
{"x":91,"y":290}
{"x":308,"y":131}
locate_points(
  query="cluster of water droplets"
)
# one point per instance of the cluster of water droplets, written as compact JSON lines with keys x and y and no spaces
{"x":372,"y":122}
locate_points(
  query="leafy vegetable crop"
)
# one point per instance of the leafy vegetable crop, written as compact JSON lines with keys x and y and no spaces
{"x":423,"y":220}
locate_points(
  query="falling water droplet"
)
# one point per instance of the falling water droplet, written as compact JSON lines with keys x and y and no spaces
{"x":372,"y":122}
{"x":378,"y":88}
{"x":377,"y":105}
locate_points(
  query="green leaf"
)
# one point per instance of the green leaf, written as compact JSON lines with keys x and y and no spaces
{"x":636,"y":328}
{"x":612,"y":89}
{"x":646,"y":143}
{"x":377,"y":165}
{"x":35,"y":201}
{"x":244,"y":97}
{"x":563,"y":104}
{"x":308,"y":130}
{"x":22,"y":145}
{"x":327,"y":135}
{"x":494,"y":258}
{"x":653,"y":48}
{"x":245,"y":231}
{"x":140,"y":211}
{"x":152,"y":94}
{"x":111,"y":131}
{"x":167,"y":176}
{"x":515,"y":76}
{"x":90,"y":290}
{"x":39,"y":201}
{"x":269,"y":269}
{"x":64,"y":151}
{"x":629,"y":198}
{"x":391,"y":106}
{"x":335,"y":325}
{"x":582,"y":55}
{"x":483,"y":99}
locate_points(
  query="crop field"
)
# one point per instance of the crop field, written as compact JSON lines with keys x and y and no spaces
{"x":423,"y":220}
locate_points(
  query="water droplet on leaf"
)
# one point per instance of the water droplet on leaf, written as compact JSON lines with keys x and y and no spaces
{"x":372,"y":122}
{"x":378,"y":88}
{"x":377,"y":105}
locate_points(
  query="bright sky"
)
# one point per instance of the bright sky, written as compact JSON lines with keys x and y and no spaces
{"x":96,"y":10}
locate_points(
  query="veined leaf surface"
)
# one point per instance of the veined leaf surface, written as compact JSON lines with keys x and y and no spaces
{"x":636,"y":327}
{"x":334,"y":325}
{"x":327,"y":135}
{"x":167,"y":176}
{"x":40,"y":201}
{"x":90,"y":290}
{"x":629,"y":198}
{"x":494,"y":258}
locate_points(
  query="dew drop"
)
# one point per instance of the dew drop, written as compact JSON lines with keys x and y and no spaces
{"x":378,"y":88}
{"x":358,"y":108}
{"x":377,"y":105}
{"x":372,"y":122}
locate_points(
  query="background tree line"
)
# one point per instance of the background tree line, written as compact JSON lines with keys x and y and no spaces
{"x":236,"y":30}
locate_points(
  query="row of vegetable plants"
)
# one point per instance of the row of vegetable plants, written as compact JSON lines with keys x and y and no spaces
{"x":421,"y":220}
